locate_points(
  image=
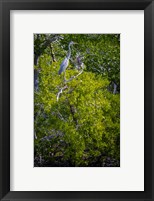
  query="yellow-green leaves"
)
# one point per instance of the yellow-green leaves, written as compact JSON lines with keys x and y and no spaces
{"x":79,"y":114}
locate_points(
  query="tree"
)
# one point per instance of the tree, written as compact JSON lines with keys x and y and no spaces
{"x":82,"y":126}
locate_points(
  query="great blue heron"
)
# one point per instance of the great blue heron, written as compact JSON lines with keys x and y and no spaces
{"x":65,"y":62}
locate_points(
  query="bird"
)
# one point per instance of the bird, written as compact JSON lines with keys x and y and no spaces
{"x":79,"y":62}
{"x":65,"y":62}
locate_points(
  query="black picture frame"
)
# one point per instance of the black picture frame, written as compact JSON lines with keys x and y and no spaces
{"x":5,"y":7}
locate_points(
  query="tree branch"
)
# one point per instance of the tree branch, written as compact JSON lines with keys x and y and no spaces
{"x":73,"y":77}
{"x":61,"y":91}
{"x":52,"y":54}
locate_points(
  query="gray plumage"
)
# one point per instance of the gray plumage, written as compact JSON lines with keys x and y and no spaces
{"x":65,"y":62}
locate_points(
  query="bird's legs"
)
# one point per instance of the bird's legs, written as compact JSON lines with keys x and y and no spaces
{"x":64,"y":77}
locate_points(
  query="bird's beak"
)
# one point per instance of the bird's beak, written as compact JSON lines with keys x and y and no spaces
{"x":75,"y":43}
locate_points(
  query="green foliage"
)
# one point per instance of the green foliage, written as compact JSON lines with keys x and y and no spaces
{"x":82,"y":127}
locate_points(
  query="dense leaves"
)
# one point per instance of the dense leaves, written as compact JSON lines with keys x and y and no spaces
{"x":77,"y":114}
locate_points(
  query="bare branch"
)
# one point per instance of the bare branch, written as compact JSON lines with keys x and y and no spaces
{"x":52,"y":54}
{"x":115,"y":88}
{"x":60,"y":92}
{"x":59,"y":115}
{"x":73,"y":77}
{"x":35,"y":136}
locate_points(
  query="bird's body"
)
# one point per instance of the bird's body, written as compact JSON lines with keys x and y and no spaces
{"x":63,"y":65}
{"x":79,"y":63}
{"x":65,"y":62}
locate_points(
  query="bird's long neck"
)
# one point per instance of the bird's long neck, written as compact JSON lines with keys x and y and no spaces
{"x":69,"y":52}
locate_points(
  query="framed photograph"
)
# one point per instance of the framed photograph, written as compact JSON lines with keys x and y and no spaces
{"x":76,"y":106}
